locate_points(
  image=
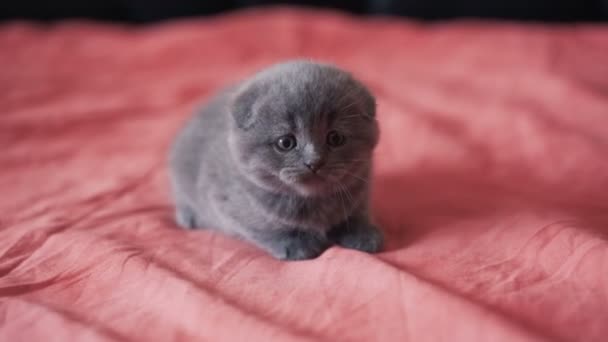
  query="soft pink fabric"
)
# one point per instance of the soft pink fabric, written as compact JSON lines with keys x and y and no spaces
{"x":491,"y":184}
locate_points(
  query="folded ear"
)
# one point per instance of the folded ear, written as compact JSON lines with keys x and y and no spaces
{"x":363,"y":98}
{"x":369,"y":102}
{"x":357,"y":94}
{"x":243,"y":108}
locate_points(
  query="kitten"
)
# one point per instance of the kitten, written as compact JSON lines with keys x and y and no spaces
{"x":282,"y":160}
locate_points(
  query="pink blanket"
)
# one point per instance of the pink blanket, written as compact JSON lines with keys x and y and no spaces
{"x":491,"y":184}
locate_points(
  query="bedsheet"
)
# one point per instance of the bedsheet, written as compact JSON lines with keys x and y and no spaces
{"x":490,"y":182}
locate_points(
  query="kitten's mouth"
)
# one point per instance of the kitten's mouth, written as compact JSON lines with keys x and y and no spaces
{"x":310,"y":178}
{"x":306,"y":183}
{"x":311,"y":181}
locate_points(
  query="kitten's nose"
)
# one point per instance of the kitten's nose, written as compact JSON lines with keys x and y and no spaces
{"x":314,"y":165}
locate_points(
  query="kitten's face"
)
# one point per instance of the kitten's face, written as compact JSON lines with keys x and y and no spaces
{"x":306,"y":128}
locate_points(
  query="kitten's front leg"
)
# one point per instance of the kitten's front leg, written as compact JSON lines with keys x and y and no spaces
{"x":185,"y":217}
{"x":291,"y":244}
{"x":357,"y":233}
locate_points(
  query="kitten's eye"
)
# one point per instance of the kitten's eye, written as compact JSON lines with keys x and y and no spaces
{"x":335,"y":139}
{"x":286,"y":143}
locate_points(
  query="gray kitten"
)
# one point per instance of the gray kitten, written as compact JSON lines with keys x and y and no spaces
{"x":282,"y":160}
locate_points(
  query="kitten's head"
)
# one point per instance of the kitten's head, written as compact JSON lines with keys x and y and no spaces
{"x":303,"y":127}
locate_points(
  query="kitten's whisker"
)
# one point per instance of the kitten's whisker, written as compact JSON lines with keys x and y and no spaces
{"x":361,"y":159}
{"x":355,"y":176}
{"x":348,"y":106}
{"x":350,"y":196}
{"x":350,"y":116}
{"x":343,"y":190}
{"x":342,"y":200}
{"x":356,"y":161}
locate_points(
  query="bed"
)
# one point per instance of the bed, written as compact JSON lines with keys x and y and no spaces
{"x":490,"y":183}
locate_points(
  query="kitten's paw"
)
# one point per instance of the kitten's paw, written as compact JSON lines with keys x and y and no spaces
{"x":185,"y":217}
{"x":296,"y":245}
{"x":359,"y":235}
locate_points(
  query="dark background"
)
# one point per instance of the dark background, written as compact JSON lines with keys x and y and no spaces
{"x":155,"y":10}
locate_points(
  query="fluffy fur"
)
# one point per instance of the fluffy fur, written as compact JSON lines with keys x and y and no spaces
{"x":282,"y":160}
